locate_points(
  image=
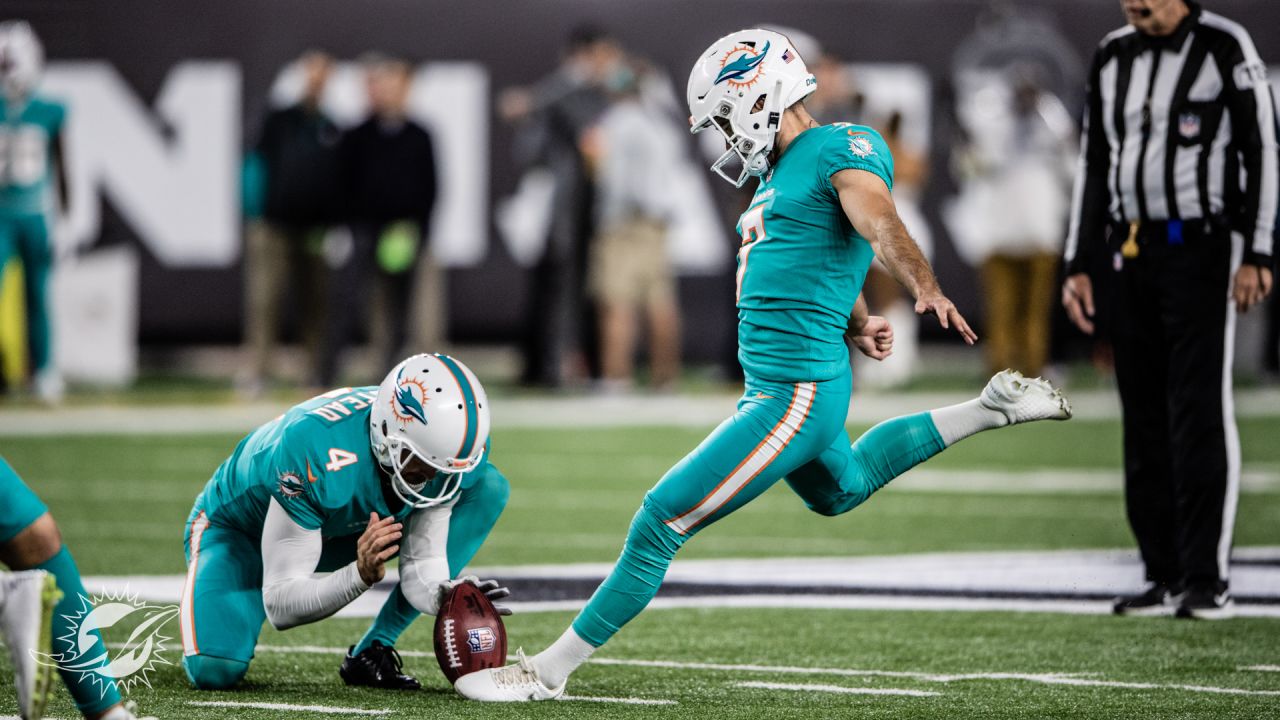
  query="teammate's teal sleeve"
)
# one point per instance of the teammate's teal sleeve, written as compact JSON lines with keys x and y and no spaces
{"x":26,"y":194}
{"x":801,"y":264}
{"x":19,"y":507}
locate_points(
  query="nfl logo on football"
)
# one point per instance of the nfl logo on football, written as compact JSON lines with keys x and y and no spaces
{"x":481,"y":640}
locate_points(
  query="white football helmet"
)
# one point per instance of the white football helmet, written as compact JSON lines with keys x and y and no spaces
{"x":740,"y":86}
{"x":433,"y":408}
{"x":21,"y":58}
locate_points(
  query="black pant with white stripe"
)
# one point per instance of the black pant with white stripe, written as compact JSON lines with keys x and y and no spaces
{"x":1173,"y":334}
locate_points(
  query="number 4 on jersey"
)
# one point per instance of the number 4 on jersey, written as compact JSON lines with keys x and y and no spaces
{"x":339,"y":459}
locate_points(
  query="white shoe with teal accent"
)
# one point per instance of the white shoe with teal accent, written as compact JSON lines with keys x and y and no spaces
{"x":1022,"y":399}
{"x":513,"y":683}
{"x":27,"y":600}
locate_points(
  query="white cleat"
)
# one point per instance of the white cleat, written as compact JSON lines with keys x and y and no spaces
{"x":126,"y":711}
{"x":27,"y":600}
{"x":513,"y":683}
{"x":1023,"y":399}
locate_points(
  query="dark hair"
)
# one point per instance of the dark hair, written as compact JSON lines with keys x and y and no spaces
{"x":584,"y":36}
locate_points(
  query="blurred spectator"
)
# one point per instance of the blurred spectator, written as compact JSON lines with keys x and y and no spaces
{"x":634,"y":153}
{"x":290,"y":188}
{"x":1016,"y":175}
{"x":835,"y":99}
{"x":389,"y":176}
{"x":30,"y":164}
{"x":554,"y":116}
{"x":885,"y":295}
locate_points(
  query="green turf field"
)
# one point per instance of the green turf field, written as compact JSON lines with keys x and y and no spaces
{"x":121,"y":502}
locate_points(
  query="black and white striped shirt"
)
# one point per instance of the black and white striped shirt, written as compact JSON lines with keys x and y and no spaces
{"x":1180,"y":127}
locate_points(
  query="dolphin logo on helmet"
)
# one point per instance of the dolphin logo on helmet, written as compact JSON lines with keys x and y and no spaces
{"x":741,"y":65}
{"x":407,"y":405}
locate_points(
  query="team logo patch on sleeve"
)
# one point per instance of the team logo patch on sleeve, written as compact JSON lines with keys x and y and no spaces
{"x":291,"y":484}
{"x":481,"y":640}
{"x":860,"y":146}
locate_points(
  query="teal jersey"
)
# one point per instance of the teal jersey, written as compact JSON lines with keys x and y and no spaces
{"x":315,"y":460}
{"x":801,"y":265}
{"x":26,"y":155}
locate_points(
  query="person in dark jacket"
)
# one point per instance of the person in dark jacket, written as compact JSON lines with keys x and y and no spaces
{"x":293,"y":170}
{"x":389,"y":182}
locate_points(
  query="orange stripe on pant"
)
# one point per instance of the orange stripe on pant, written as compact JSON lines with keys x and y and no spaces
{"x":188,"y":621}
{"x":755,"y":462}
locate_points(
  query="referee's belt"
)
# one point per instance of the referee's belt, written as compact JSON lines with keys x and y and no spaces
{"x":1142,"y":233}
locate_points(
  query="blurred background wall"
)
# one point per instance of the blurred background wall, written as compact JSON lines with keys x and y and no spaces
{"x":164,"y":97}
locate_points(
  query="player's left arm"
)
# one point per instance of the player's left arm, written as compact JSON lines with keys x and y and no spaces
{"x":870,"y":334}
{"x":424,"y":563}
{"x":1253,"y":119}
{"x":866,"y":201}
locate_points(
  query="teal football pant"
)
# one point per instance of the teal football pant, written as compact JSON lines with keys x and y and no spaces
{"x":19,"y":508}
{"x":222,"y":611}
{"x":781,"y":430}
{"x":27,"y":236}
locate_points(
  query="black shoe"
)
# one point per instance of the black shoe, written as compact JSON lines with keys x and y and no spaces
{"x":378,"y":666}
{"x":1204,"y":602}
{"x":1157,"y":599}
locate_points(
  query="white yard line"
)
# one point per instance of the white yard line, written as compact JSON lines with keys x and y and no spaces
{"x":1260,"y":668}
{"x":836,"y":689}
{"x":620,"y":701}
{"x":327,"y":709}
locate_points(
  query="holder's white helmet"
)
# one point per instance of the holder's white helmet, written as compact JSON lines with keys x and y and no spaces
{"x":433,"y":408}
{"x":740,"y":86}
{"x":21,"y":58}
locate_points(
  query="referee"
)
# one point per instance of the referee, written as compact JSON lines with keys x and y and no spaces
{"x":1176,"y":201}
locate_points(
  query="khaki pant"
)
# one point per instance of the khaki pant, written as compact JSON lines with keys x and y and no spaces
{"x":277,"y":259}
{"x":1019,"y":294}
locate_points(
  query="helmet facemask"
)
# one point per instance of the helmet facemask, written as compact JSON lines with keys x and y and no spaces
{"x":751,"y":147}
{"x":400,"y":451}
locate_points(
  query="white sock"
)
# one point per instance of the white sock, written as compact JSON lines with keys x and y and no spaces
{"x":554,"y":664}
{"x":118,"y":713}
{"x":957,"y":422}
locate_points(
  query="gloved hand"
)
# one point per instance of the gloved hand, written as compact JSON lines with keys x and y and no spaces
{"x":492,"y":589}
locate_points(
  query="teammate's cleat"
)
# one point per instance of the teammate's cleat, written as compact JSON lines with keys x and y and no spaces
{"x":27,"y":599}
{"x":1022,"y":399}
{"x":513,"y":683}
{"x":1157,"y":599}
{"x":377,"y":666}
{"x":1201,"y":602}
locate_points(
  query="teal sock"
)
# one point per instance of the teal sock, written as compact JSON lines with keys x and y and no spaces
{"x":393,"y":619}
{"x":891,"y":448}
{"x":634,"y":581}
{"x":88,"y":690}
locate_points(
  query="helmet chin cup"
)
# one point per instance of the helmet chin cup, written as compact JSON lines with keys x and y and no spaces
{"x":752,"y":160}
{"x":451,"y":481}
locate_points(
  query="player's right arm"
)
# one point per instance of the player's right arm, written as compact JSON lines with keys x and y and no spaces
{"x":291,"y":592}
{"x":866,"y":201}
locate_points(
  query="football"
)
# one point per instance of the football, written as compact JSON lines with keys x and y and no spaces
{"x":469,"y":633}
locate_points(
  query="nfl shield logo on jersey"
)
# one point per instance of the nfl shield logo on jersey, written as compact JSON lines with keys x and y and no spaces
{"x":1189,"y":125}
{"x":481,"y":640}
